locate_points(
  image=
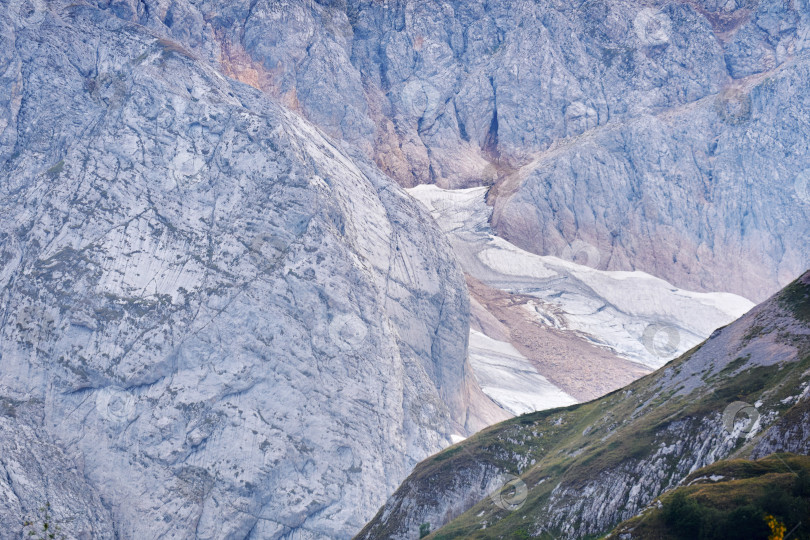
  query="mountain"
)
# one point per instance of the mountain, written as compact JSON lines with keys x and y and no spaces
{"x":671,"y":137}
{"x":581,"y":470}
{"x":214,"y":320}
{"x":222,"y":316}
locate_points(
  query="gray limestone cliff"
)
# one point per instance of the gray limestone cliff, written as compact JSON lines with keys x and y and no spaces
{"x":229,"y":324}
{"x":670,"y":136}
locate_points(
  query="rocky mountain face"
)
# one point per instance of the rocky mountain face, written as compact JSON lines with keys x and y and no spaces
{"x":215,"y":321}
{"x":671,"y":137}
{"x":580,"y":470}
{"x":35,"y":470}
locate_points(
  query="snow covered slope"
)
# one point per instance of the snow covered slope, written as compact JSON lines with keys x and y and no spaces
{"x":637,"y":316}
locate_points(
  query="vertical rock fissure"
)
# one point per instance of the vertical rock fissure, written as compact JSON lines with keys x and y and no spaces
{"x":491,"y":141}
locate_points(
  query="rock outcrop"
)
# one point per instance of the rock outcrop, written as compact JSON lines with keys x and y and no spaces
{"x":39,"y":480}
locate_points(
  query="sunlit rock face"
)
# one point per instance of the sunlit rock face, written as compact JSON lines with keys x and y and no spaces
{"x":226,"y":323}
{"x":672,"y":137}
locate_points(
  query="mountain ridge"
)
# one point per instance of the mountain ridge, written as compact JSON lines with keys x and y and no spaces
{"x":220,"y":313}
{"x":685,"y":98}
{"x":584,"y":468}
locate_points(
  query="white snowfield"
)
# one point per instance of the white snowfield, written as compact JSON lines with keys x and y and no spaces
{"x":637,"y":316}
{"x":509,"y":379}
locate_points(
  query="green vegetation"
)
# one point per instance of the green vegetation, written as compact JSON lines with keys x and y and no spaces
{"x":424,"y":530}
{"x":577,"y":443}
{"x":644,"y":435}
{"x":57,"y":169}
{"x":796,"y":298}
{"x":42,"y":527}
{"x":764,"y":499}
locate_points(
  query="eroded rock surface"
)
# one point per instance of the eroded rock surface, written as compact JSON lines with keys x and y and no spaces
{"x":235,"y":327}
{"x":29,"y":459}
{"x":671,"y":136}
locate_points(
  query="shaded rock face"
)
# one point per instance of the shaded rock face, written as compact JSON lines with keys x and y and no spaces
{"x":791,"y":434}
{"x":233,"y":326}
{"x":705,"y":201}
{"x":670,"y":136}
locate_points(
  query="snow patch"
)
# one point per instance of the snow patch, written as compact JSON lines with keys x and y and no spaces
{"x":638,"y":316}
{"x":509,"y":379}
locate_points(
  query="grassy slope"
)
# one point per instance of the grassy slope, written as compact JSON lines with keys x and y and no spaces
{"x":574,"y":457}
{"x":573,"y":445}
{"x":731,"y":499}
